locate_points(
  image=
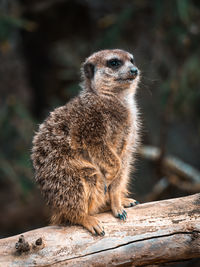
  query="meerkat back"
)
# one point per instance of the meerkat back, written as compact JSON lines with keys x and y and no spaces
{"x":82,"y":153}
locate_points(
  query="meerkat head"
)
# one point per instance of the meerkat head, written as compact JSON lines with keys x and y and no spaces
{"x":110,"y":71}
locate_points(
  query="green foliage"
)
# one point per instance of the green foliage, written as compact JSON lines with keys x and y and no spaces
{"x":183,"y":8}
{"x":177,"y":22}
{"x":15,"y":142}
{"x":8,"y":25}
{"x":113,"y":34}
{"x":188,"y":96}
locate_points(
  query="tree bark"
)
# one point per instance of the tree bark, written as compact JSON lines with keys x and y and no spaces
{"x":155,"y":232}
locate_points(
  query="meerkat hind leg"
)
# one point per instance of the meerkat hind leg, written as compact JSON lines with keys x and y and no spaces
{"x":89,"y":221}
{"x":93,"y":225}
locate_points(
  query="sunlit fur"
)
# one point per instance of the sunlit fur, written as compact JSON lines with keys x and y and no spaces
{"x":88,"y":145}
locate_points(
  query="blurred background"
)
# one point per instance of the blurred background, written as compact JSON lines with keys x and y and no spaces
{"x":42,"y":46}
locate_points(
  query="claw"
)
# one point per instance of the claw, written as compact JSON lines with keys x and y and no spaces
{"x":96,"y":234}
{"x":124,"y":215}
{"x":132,"y":204}
{"x":102,"y":233}
{"x":124,"y":212}
{"x":120,"y":216}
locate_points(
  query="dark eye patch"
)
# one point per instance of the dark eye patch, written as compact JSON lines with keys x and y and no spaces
{"x":114,"y":63}
{"x":132,"y":60}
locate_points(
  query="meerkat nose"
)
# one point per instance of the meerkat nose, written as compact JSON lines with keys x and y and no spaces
{"x":134,"y":71}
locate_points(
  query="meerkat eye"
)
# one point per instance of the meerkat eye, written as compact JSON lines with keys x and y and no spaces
{"x":114,"y":63}
{"x":132,"y":60}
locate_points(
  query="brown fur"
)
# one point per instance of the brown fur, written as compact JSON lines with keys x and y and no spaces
{"x":86,"y":146}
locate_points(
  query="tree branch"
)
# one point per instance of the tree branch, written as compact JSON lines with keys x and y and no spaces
{"x":173,"y":163}
{"x":155,"y":232}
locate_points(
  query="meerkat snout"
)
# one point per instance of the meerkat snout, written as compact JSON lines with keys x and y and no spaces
{"x":134,"y":72}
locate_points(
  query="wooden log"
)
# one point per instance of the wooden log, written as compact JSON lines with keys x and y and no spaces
{"x":162,"y":231}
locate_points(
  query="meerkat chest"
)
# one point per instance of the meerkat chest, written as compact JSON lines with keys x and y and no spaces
{"x":132,"y":111}
{"x":124,"y":134}
{"x":132,"y":114}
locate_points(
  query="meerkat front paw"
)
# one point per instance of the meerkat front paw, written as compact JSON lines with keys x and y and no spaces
{"x":116,"y":206}
{"x":119,"y":212}
{"x":129,"y":202}
{"x":93,"y":225}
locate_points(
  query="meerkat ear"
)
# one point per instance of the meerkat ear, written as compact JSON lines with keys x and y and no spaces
{"x":89,"y":70}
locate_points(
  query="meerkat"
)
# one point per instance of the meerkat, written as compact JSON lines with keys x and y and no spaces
{"x":83,"y":152}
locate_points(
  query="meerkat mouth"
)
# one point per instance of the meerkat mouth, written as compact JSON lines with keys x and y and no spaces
{"x":130,"y":79}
